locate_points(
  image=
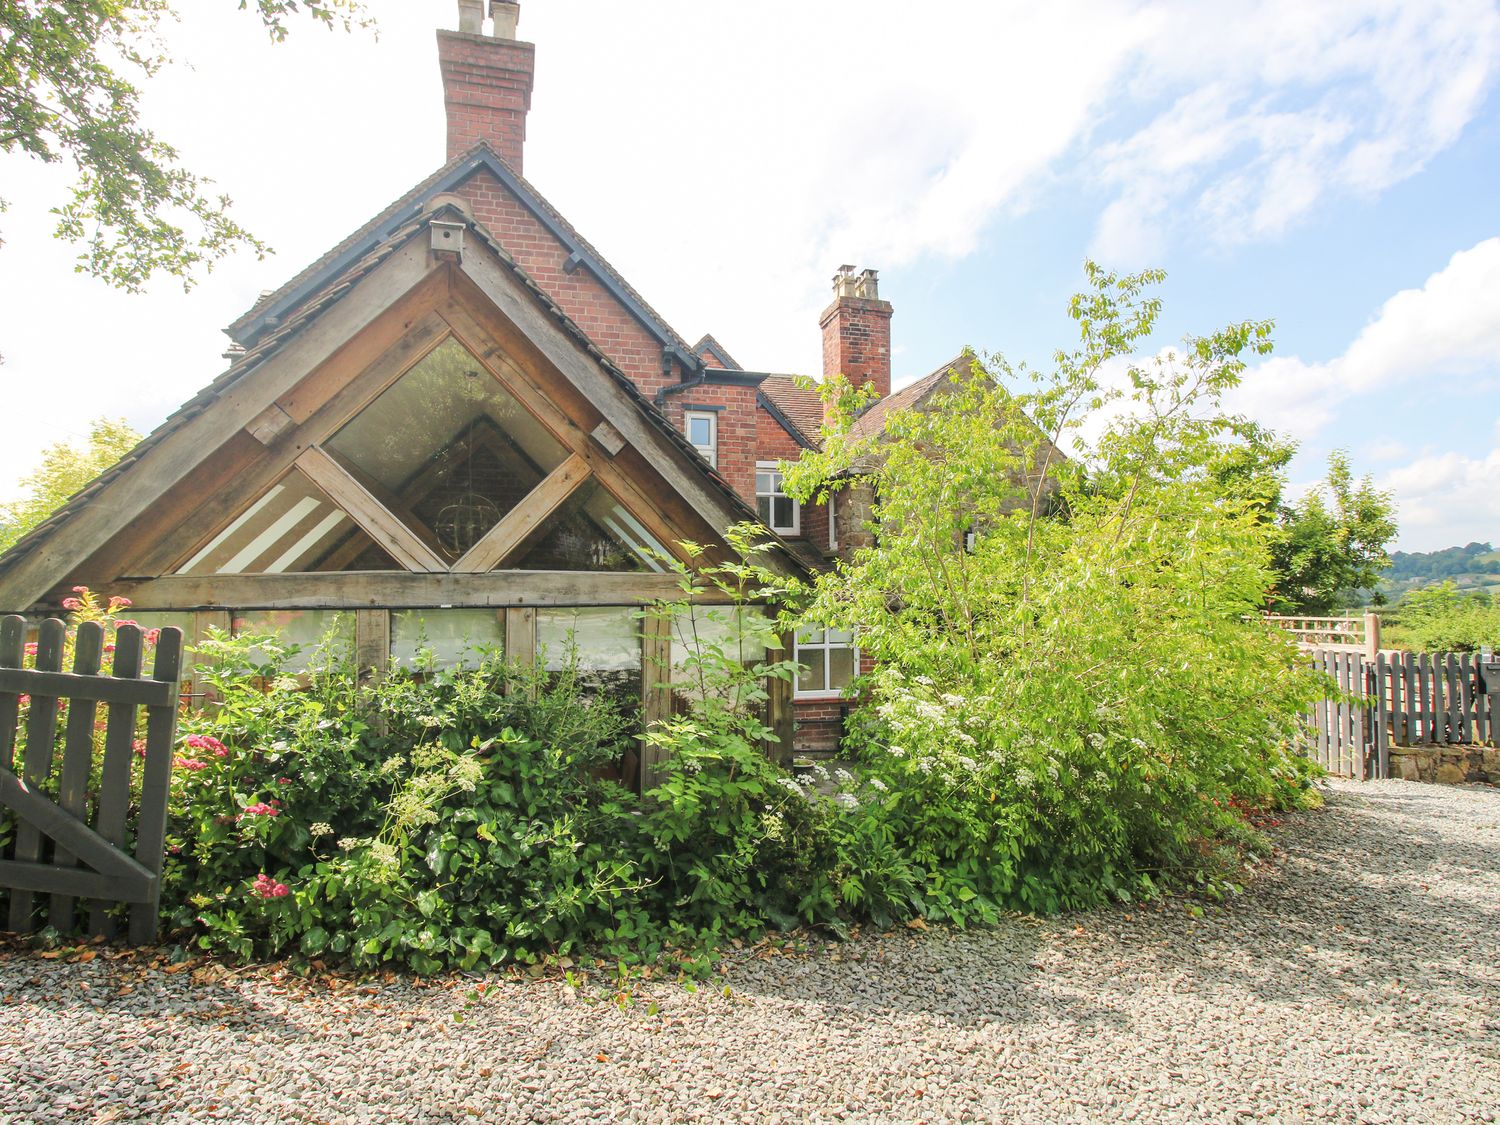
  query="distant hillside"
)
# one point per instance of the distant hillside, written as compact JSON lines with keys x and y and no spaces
{"x":1474,"y":565}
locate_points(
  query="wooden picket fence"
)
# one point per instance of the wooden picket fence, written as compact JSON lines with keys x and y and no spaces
{"x":1399,"y":699}
{"x":70,"y":815}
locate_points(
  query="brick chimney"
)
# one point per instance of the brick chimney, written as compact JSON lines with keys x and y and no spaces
{"x":857,"y":331}
{"x":486,"y":80}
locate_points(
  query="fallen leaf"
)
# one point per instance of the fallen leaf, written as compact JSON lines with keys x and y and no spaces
{"x":916,"y":924}
{"x":601,"y":1057}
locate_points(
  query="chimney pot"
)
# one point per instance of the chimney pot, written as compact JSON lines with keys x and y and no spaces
{"x":506,"y":14}
{"x":471,"y":17}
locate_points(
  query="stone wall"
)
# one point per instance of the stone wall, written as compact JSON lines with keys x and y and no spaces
{"x":1448,"y":764}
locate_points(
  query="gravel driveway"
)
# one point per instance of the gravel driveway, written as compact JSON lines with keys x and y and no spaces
{"x":1360,"y":981}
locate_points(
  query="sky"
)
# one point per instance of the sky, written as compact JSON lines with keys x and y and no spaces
{"x":1334,"y":167}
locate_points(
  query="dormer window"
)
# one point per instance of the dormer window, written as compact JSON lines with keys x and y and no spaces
{"x":702,"y":429}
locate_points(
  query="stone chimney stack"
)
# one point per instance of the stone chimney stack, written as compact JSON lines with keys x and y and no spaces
{"x":487,"y":80}
{"x":857,"y":331}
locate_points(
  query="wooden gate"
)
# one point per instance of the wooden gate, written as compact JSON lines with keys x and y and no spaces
{"x":1398,"y":698}
{"x":51,"y":801}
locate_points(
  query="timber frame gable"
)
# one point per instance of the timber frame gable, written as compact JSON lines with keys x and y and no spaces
{"x":438,"y":279}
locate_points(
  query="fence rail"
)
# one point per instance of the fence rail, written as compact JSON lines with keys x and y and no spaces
{"x":1398,"y":699}
{"x":1360,"y":632}
{"x":71,"y":812}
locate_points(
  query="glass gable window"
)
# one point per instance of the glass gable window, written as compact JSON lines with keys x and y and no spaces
{"x":293,"y":528}
{"x":778,"y":511}
{"x":702,"y":428}
{"x":591,"y":532}
{"x":829,"y":660}
{"x":448,"y":449}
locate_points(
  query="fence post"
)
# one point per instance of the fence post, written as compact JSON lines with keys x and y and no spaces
{"x":1372,"y":635}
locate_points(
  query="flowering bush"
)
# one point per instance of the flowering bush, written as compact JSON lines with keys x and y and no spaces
{"x":1074,"y":692}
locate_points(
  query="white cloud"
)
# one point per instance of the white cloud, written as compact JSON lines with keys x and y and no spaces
{"x":726,"y":158}
{"x":1274,"y":106}
{"x":1446,"y":499}
{"x":1448,"y":327}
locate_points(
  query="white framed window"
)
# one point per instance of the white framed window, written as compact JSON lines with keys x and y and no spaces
{"x":778,"y":511}
{"x":833,"y":522}
{"x":830,"y":661}
{"x":702,"y":429}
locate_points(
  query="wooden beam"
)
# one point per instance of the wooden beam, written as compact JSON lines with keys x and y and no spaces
{"x":610,"y":439}
{"x":401,"y":590}
{"x":319,"y":412}
{"x":656,"y":692}
{"x":372,"y":642}
{"x":393,"y":536}
{"x":654,"y":510}
{"x":527,"y":517}
{"x":175,"y":457}
{"x":520,"y":635}
{"x":269,"y":424}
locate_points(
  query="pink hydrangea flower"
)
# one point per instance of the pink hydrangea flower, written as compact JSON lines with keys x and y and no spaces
{"x":267,"y":887}
{"x":120,"y":603}
{"x":151,"y":636}
{"x":208,"y":743}
{"x":71,"y":603}
{"x":31,"y":648}
{"x":189,"y":764}
{"x":260,"y":808}
{"x":139,"y":746}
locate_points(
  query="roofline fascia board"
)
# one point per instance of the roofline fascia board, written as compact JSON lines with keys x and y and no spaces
{"x":722,"y":377}
{"x":125,"y":497}
{"x":764,"y":402}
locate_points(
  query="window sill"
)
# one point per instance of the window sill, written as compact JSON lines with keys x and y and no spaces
{"x":818,"y":696}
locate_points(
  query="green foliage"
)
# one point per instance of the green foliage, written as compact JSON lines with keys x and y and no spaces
{"x":1443,"y":618}
{"x":68,"y":92}
{"x":64,"y":470}
{"x":1070,"y":711}
{"x":1332,"y":542}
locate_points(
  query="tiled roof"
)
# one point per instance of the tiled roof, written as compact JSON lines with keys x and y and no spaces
{"x":800,"y":406}
{"x":873,"y":420}
{"x":289,"y":324}
{"x":447,"y":178}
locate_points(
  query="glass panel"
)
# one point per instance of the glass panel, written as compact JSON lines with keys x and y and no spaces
{"x":449,"y":444}
{"x":839,"y":636}
{"x":293,"y":528}
{"x":765,"y":483}
{"x":700,"y":430}
{"x":452,"y":635}
{"x":590,"y":532}
{"x":763,"y":508}
{"x":810,"y":637}
{"x":840,"y":667}
{"x":811,"y":676}
{"x":607,"y":639}
{"x":304,"y":628}
{"x":785,"y":511}
{"x":699,"y":628}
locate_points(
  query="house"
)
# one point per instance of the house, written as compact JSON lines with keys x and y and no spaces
{"x":462,"y":424}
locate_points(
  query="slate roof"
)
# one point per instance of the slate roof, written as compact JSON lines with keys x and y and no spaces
{"x":718,"y":351}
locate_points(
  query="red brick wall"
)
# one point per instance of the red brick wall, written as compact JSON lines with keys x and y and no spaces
{"x":857,"y":341}
{"x":710,"y":360}
{"x":486,"y":91}
{"x":616,"y":333}
{"x":737,"y":430}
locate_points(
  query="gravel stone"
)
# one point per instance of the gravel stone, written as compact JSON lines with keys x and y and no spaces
{"x":1356,"y":980}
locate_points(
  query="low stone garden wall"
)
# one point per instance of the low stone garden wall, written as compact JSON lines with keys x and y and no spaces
{"x":1448,"y":764}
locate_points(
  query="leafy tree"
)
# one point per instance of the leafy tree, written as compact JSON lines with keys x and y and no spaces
{"x":64,"y":470}
{"x":69,"y":74}
{"x":1331,"y":542}
{"x":1444,"y":618}
{"x":1065,"y":709}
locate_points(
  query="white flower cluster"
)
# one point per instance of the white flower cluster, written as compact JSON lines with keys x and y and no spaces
{"x":320,"y":829}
